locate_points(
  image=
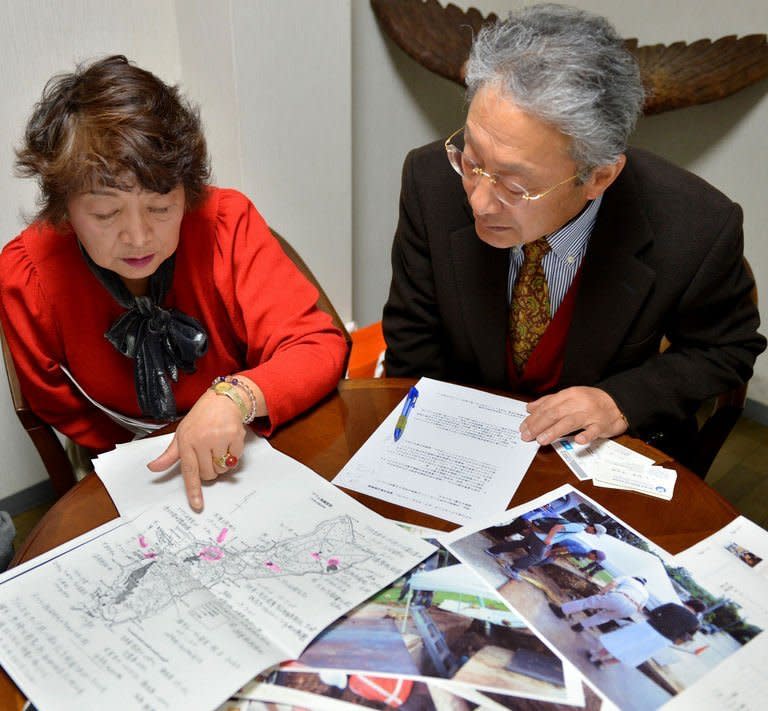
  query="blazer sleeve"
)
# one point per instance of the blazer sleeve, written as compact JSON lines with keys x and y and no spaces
{"x":411,"y":320}
{"x":713,"y":335}
{"x":293,"y":351}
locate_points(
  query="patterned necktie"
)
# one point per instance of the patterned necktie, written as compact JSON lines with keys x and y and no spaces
{"x":529,"y":310}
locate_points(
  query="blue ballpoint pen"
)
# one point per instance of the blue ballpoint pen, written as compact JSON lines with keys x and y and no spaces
{"x":410,"y":403}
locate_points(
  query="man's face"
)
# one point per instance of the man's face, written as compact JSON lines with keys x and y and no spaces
{"x":510,"y":143}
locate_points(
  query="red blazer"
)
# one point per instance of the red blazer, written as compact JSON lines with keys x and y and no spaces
{"x":231,"y":275}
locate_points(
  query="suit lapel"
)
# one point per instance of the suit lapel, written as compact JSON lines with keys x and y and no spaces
{"x":480,"y":273}
{"x":614,"y":285}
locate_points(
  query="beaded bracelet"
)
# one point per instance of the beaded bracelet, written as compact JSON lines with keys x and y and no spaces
{"x":225,"y":385}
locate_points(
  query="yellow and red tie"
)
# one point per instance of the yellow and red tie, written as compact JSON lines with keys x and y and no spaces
{"x":529,"y":310}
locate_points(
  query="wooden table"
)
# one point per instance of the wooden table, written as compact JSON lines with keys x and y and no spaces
{"x":328,"y":435}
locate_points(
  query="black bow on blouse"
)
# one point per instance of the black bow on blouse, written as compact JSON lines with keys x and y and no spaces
{"x":161,"y":341}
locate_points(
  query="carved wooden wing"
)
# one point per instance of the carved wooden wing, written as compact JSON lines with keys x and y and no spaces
{"x":676,"y":75}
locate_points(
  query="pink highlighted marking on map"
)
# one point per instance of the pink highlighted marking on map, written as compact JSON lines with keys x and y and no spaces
{"x":211,"y":554}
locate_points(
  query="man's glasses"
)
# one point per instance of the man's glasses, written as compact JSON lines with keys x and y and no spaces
{"x":506,"y":191}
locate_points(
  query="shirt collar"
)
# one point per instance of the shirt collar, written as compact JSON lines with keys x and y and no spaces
{"x":570,"y":242}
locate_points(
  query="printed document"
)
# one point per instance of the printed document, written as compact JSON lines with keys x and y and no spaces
{"x":457,"y":454}
{"x":173,"y":609}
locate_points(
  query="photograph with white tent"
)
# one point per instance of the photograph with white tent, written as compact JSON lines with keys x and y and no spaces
{"x":609,"y":600}
{"x":441,"y":622}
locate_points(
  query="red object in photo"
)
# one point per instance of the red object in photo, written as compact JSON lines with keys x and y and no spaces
{"x":393,"y":692}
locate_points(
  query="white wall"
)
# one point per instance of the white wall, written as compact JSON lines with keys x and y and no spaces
{"x":273,"y":79}
{"x":398,"y":105}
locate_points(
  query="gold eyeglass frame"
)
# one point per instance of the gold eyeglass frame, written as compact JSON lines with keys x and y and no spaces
{"x":478,"y":172}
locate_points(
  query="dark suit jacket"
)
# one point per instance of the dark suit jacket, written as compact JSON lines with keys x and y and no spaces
{"x":665,"y":259}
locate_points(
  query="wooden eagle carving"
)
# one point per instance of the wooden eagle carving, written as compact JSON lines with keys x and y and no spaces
{"x":675,"y":76}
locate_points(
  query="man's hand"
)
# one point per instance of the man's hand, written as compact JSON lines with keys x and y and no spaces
{"x":579,"y":408}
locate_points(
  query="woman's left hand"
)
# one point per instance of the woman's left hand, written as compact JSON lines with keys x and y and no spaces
{"x":210,"y":432}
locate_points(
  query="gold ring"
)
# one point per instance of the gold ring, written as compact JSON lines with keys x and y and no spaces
{"x":226,"y":461}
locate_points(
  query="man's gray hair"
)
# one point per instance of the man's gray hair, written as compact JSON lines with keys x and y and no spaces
{"x":568,"y":68}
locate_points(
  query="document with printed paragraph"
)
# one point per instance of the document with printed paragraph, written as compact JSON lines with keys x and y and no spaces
{"x":445,"y":450}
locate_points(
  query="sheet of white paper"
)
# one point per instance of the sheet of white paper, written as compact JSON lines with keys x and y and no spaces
{"x":734,"y":563}
{"x":134,"y":488}
{"x":176,"y":610}
{"x":738,"y":684}
{"x":460,"y":457}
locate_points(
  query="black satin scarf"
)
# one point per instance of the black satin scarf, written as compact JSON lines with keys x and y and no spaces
{"x":161,"y":341}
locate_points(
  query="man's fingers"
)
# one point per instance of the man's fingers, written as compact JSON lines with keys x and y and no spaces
{"x":589,"y":411}
{"x":547,"y":426}
{"x":590,"y":434}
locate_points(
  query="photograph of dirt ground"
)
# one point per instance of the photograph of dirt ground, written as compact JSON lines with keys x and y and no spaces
{"x":443,"y":622}
{"x":639,"y":628}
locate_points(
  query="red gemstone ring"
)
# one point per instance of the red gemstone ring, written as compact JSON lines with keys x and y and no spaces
{"x":227,"y":461}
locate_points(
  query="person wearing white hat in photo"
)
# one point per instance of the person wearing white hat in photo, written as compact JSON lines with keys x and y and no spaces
{"x":622,"y":597}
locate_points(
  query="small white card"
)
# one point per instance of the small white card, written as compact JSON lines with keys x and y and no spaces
{"x":654,"y":481}
{"x":615,"y":466}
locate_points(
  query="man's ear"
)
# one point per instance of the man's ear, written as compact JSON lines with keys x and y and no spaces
{"x":600,"y":178}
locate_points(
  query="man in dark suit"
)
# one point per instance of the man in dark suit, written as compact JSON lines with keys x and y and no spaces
{"x":636,"y":250}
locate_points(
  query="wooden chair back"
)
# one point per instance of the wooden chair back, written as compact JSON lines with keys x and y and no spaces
{"x":323,"y":302}
{"x":49,"y":446}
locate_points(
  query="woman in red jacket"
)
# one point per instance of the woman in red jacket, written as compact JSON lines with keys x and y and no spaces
{"x":141,"y":295}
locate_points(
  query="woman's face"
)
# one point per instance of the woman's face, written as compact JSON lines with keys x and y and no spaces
{"x":130,"y":232}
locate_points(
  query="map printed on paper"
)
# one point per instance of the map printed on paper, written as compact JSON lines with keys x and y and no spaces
{"x":177,"y":610}
{"x":168,"y":570}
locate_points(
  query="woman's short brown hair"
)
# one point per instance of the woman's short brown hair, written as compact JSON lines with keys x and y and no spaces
{"x":110,"y":123}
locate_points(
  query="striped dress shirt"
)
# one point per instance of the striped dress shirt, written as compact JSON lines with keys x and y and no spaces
{"x":568,"y":245}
